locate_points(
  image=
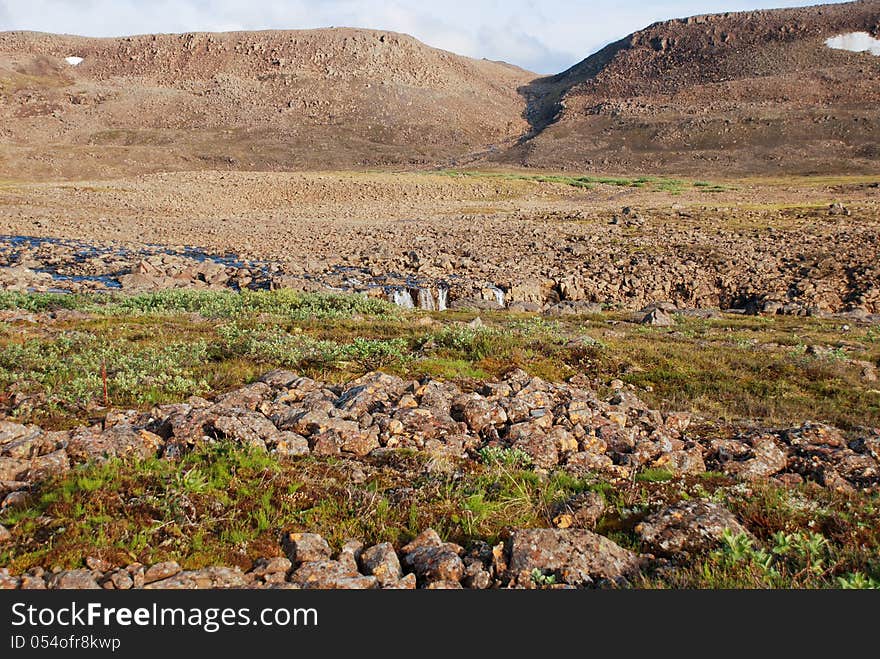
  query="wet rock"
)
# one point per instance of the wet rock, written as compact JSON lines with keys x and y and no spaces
{"x":305,"y":547}
{"x":690,"y":526}
{"x":574,"y":556}
{"x":381,"y":561}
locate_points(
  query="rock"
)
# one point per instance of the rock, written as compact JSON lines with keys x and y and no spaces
{"x":290,"y":444}
{"x":381,"y":562}
{"x":161,"y":571}
{"x":688,"y":461}
{"x":48,"y":466}
{"x":658,"y":318}
{"x":206,"y":578}
{"x":690,"y":526}
{"x":408,"y":582}
{"x":73,"y":580}
{"x":5,"y":535}
{"x":14,"y":469}
{"x":764,"y":460}
{"x":530,"y":438}
{"x":432,"y":560}
{"x":581,"y":511}
{"x":575,"y":556}
{"x":7,"y":581}
{"x":279,"y":378}
{"x":326,"y":574}
{"x":306,"y":548}
{"x":477,"y":412}
{"x":275,"y":565}
{"x":247,"y":398}
{"x":116,"y":442}
{"x":121,"y":580}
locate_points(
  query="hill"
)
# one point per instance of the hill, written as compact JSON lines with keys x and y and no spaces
{"x":740,"y":93}
{"x":318,"y":99}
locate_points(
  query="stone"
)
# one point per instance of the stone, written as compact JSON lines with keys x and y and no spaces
{"x":290,"y":444}
{"x":5,"y":535}
{"x":73,"y":580}
{"x":581,"y":511}
{"x":161,"y":571}
{"x":119,"y":441}
{"x":14,"y":469}
{"x":275,"y":565}
{"x":657,"y":318}
{"x":575,"y":556}
{"x":49,"y":466}
{"x":432,"y":560}
{"x":477,"y":412}
{"x":305,"y":548}
{"x":7,"y":581}
{"x":763,"y":460}
{"x":407,"y":582}
{"x":326,"y":574}
{"x":381,"y":561}
{"x":531,"y":439}
{"x":690,"y":526}
{"x":121,"y":580}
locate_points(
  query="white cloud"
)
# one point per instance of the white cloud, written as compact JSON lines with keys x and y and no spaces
{"x":541,"y":36}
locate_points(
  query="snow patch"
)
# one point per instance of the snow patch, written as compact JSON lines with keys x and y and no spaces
{"x":73,"y":61}
{"x":855,"y":42}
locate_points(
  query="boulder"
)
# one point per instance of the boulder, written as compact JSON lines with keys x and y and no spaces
{"x":575,"y":556}
{"x":689,"y":526}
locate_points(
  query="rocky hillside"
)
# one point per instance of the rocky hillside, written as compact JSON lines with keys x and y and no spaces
{"x":729,"y":94}
{"x":253,"y":100}
{"x":754,"y":92}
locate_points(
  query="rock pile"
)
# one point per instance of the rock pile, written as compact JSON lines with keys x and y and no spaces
{"x":556,"y":426}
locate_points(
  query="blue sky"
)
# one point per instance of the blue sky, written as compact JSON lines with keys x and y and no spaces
{"x":545,"y":37}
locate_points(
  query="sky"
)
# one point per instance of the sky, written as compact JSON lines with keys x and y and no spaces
{"x":544,"y":37}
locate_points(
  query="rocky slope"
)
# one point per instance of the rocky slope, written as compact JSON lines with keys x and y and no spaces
{"x":753,"y":92}
{"x":253,"y":100}
{"x":554,"y":426}
{"x":744,"y":93}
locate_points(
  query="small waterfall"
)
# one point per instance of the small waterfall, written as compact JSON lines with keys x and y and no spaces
{"x":499,"y":296}
{"x":402,"y":298}
{"x":426,"y":299}
{"x":442,"y":297}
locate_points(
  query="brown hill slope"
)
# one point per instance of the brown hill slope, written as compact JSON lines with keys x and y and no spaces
{"x":738,"y":93}
{"x":322,"y":99}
